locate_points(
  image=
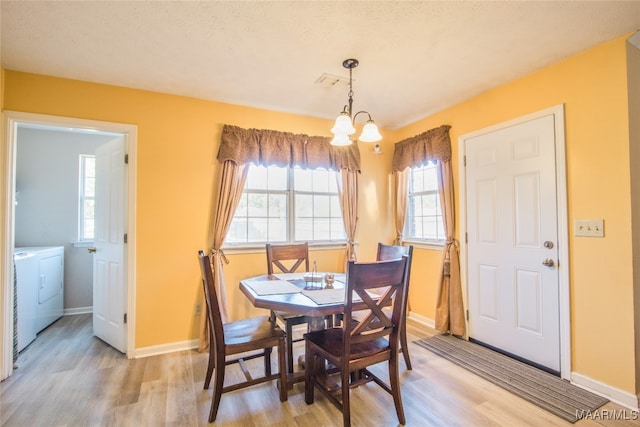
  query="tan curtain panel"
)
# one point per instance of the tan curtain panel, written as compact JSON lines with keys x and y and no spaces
{"x":348,"y":195}
{"x":433,"y":144}
{"x":232,"y":179}
{"x":449,"y":309}
{"x":401,"y":184}
{"x":270,"y":147}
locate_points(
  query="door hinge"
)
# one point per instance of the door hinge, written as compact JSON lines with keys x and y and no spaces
{"x":464,"y":160}
{"x":126,"y":159}
{"x":125,"y":318}
{"x":126,"y":237}
{"x":466,"y":237}
{"x":467,"y":315}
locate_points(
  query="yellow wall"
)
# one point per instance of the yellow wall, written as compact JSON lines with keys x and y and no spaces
{"x":178,"y":139}
{"x":593,"y":88}
{"x":177,"y":143}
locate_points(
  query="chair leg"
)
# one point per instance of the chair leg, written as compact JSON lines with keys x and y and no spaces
{"x":346,"y":406}
{"x":210,"y":367}
{"x":309,"y":375}
{"x":289,"y":338}
{"x":405,"y":345}
{"x":282,"y":370}
{"x":217,"y":388}
{"x":394,"y":382}
{"x":267,"y":361}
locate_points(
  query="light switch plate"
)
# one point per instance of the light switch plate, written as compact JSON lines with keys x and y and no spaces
{"x":589,"y":227}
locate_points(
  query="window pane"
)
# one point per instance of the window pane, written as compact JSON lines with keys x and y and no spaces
{"x":277,"y":205}
{"x":337,"y":229}
{"x":417,"y":180}
{"x":257,"y":230}
{"x":322,"y":206}
{"x":424,"y":217}
{"x":257,"y":205}
{"x":304,"y":206}
{"x":302,"y":180}
{"x":277,"y":230}
{"x":88,"y":229}
{"x":90,"y":187}
{"x":257,"y":178}
{"x":241,"y":210}
{"x":89,"y":209}
{"x":304,"y":229}
{"x":278,"y":178}
{"x":321,"y":229}
{"x":320,"y":181}
{"x":237,"y":231}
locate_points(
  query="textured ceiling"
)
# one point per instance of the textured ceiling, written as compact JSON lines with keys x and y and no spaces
{"x":416,"y":58}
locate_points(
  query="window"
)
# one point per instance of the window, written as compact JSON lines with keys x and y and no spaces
{"x":87,"y":197}
{"x":424,"y":216}
{"x":287,"y":205}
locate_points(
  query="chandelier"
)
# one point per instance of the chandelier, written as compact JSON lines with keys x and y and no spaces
{"x":343,"y":128}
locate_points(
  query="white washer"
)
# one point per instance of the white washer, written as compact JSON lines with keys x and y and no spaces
{"x":50,"y":273}
{"x":27,"y":293}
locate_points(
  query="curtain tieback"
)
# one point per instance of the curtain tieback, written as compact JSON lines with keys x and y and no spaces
{"x":446,"y":263}
{"x":220,"y":252}
{"x":452,"y":242}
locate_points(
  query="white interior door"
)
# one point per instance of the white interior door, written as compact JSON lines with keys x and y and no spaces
{"x":512,"y":252}
{"x":109,"y":272}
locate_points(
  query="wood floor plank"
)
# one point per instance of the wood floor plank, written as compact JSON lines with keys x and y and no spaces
{"x":69,"y":378}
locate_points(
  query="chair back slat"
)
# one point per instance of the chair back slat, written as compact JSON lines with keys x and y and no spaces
{"x":216,"y":328}
{"x":389,"y":252}
{"x":295,"y":253}
{"x":385,"y":276}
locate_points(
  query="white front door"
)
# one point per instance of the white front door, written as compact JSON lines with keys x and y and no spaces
{"x":512,"y":234}
{"x":109,"y":272}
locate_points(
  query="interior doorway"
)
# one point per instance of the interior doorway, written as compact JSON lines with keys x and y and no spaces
{"x":13,"y":122}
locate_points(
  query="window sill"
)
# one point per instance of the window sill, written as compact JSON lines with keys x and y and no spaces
{"x":82,"y":244}
{"x":256,"y":249}
{"x":421,"y":244}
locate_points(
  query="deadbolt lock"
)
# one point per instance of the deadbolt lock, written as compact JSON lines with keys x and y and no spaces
{"x":548,"y":244}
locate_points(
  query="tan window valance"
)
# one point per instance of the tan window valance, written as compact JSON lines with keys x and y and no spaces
{"x":433,"y":144}
{"x":269,"y":147}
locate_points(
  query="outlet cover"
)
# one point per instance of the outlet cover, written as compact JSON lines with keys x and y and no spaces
{"x":589,"y":227}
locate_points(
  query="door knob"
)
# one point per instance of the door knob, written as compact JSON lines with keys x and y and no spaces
{"x":548,"y":262}
{"x":91,"y":250}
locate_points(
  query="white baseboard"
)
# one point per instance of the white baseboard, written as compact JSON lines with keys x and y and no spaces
{"x":421,"y":320}
{"x":77,"y":310}
{"x":155,"y":350}
{"x":616,"y":395}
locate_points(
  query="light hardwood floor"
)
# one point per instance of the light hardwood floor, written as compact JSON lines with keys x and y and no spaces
{"x":67,"y":377}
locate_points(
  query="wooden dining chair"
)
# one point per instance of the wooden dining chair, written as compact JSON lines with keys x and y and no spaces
{"x":242,"y":336}
{"x":288,"y":259}
{"x":358,"y":345}
{"x":389,"y":252}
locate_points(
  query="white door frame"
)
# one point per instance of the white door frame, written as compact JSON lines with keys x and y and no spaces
{"x":11,"y":119}
{"x":562,"y":215}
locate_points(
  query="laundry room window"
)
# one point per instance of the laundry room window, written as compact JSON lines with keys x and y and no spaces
{"x":87,"y":197}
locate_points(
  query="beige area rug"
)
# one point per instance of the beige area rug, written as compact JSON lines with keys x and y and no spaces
{"x":534,"y":385}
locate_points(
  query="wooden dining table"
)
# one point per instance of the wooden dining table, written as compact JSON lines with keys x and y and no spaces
{"x":312,"y":299}
{"x":291,"y":293}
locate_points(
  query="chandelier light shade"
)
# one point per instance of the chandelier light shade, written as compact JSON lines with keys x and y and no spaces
{"x":343,"y":127}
